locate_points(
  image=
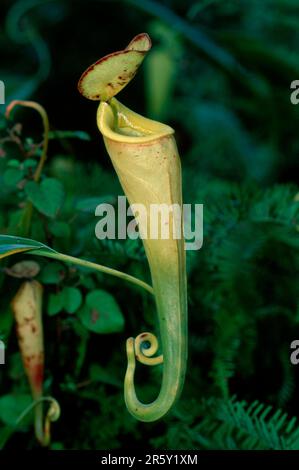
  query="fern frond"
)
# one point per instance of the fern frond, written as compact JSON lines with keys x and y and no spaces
{"x":249,"y":426}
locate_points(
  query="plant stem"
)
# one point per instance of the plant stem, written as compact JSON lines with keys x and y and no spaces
{"x":28,"y":210}
{"x":96,"y":267}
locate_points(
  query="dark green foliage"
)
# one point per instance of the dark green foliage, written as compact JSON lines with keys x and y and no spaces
{"x":232,"y":425}
{"x":220,"y":74}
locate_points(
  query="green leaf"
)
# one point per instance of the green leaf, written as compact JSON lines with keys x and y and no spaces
{"x":46,"y":197}
{"x":72,"y":299}
{"x":10,"y":245}
{"x":53,"y":273}
{"x":59,"y":229}
{"x":55,"y":304}
{"x":11,"y":406}
{"x":30,"y":163}
{"x":69,"y":299}
{"x":13,"y":163}
{"x":87,"y":282}
{"x":101,"y":313}
{"x":12,"y":176}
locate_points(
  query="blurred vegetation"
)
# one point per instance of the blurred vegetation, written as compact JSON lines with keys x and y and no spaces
{"x":220,"y":74}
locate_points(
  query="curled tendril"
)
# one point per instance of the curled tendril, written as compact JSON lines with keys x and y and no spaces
{"x":43,"y":114}
{"x":52,"y":416}
{"x":43,"y":434}
{"x":144,"y":355}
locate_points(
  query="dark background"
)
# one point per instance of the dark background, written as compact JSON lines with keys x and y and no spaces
{"x":220,"y":74}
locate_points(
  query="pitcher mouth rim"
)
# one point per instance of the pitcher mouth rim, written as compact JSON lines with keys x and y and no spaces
{"x":109,"y":112}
